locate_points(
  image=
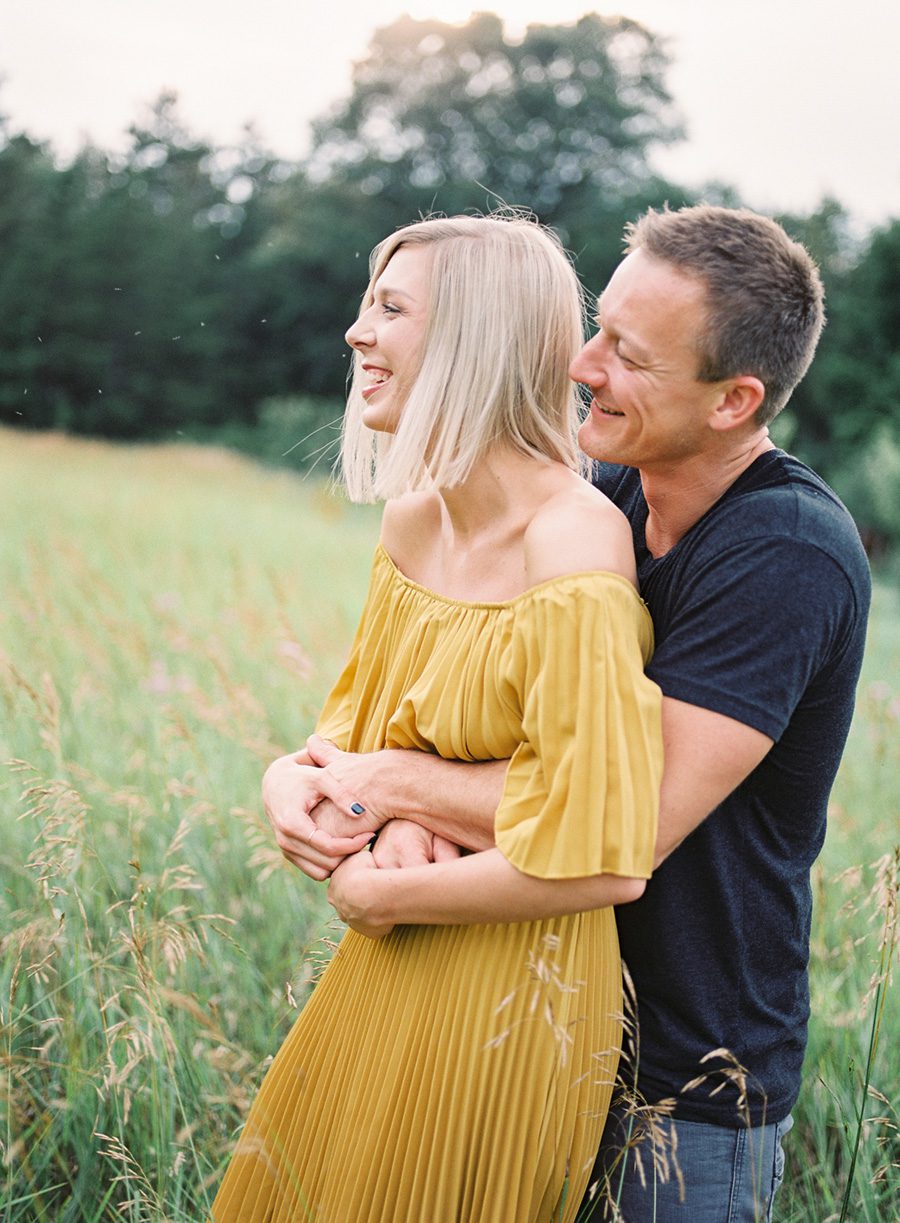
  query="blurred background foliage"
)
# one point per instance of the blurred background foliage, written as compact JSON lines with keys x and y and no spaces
{"x":179,"y":289}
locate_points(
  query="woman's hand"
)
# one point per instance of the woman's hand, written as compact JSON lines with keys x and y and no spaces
{"x":352,"y":893}
{"x":291,"y":789}
{"x":402,"y":843}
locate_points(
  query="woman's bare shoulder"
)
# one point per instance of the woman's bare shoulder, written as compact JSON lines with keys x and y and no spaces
{"x":575,"y":531}
{"x":409,"y":524}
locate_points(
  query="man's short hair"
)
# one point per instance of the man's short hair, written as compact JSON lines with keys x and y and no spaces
{"x":765,"y":301}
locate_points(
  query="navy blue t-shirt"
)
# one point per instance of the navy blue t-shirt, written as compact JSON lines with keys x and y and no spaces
{"x":760,"y":614}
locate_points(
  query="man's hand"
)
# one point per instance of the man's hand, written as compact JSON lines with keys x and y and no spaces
{"x":453,"y":798}
{"x":350,"y":894}
{"x":366,"y":775}
{"x":291,"y":790}
{"x":402,"y":843}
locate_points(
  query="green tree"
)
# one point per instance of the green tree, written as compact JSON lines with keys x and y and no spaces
{"x":457,"y":110}
{"x":853,"y":386}
{"x":844,"y":418}
{"x":32,"y":196}
{"x":123,"y":299}
{"x":156,"y":231}
{"x":179,"y":286}
{"x":453,"y":118}
{"x":808,"y":425}
{"x":461,"y":116}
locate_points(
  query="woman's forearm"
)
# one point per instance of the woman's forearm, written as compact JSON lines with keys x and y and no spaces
{"x":480,"y":888}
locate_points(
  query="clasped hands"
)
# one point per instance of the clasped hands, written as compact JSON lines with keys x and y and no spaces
{"x":325,"y":806}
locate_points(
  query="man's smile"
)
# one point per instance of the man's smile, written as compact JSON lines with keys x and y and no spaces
{"x":604,"y":410}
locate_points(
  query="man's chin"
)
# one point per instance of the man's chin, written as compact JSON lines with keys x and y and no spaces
{"x":597,"y":448}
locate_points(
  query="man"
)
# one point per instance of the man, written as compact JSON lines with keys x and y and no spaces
{"x":759,"y":590}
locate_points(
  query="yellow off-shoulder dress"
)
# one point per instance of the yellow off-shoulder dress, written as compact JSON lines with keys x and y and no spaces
{"x":462,"y":1074}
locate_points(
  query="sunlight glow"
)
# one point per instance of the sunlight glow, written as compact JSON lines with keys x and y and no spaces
{"x":787,"y":102}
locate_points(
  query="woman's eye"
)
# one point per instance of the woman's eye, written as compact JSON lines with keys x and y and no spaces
{"x":387,"y":308}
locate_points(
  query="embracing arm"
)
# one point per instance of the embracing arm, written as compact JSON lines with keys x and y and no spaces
{"x":481,"y":888}
{"x":418,"y":796}
{"x":453,"y":798}
{"x":707,"y":756}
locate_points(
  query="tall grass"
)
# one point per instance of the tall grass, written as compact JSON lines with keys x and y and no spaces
{"x":852,"y":1067}
{"x":170,"y":620}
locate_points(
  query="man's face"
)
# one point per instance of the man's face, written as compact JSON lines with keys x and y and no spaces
{"x":649,"y":409}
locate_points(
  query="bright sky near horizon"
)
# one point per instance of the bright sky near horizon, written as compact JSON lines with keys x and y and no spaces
{"x":788,"y":100}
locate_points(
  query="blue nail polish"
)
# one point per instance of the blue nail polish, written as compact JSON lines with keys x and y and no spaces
{"x":357,"y":809}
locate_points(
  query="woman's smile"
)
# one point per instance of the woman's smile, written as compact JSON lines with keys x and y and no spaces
{"x":388,"y":336}
{"x":376,"y":377}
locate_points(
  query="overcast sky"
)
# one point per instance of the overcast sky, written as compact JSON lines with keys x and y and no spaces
{"x":786,"y":99}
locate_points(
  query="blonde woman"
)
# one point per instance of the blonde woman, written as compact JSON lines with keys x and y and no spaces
{"x":461,"y":1068}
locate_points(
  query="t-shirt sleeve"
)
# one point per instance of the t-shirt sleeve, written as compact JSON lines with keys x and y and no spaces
{"x":753,"y":628}
{"x":582,"y":789}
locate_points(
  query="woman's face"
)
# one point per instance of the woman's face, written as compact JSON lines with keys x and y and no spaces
{"x":388,"y":335}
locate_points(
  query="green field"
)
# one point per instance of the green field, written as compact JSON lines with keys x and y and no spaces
{"x":170,"y":620}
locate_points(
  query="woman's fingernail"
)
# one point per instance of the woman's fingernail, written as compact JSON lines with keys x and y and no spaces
{"x":357,"y":809}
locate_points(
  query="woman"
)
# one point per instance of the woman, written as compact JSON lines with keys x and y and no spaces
{"x":461,"y":1068}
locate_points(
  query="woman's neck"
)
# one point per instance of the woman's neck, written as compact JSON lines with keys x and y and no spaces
{"x":474,"y":547}
{"x":499,"y":490}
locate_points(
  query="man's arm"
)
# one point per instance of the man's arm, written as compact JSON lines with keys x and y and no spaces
{"x":407,"y":790}
{"x":451,"y":798}
{"x":707,"y":756}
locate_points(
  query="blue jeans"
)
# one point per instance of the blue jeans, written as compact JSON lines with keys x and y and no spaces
{"x":726,"y":1175}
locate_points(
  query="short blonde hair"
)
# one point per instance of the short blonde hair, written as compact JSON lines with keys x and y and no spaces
{"x":504,"y":323}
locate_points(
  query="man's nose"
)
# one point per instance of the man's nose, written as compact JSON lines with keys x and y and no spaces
{"x":588,"y":366}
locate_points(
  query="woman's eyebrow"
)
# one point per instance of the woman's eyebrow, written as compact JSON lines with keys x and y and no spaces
{"x":387,"y":291}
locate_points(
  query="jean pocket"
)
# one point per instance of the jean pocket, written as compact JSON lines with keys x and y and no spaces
{"x":781,"y":1130}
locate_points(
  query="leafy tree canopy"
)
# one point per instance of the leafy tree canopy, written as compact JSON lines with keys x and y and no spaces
{"x":437,"y":106}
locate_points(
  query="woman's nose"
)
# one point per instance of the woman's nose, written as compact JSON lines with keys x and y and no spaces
{"x":359,"y":334}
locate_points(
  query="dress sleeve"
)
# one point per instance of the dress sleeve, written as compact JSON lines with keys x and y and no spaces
{"x":336,"y":719}
{"x":339,"y":713}
{"x":582,"y":789}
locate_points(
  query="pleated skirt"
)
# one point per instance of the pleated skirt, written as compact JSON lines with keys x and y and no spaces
{"x":456,"y":1074}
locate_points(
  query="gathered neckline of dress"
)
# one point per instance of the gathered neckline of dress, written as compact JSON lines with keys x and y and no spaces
{"x":500,"y":604}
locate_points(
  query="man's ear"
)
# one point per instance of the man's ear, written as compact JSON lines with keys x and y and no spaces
{"x":741,"y":397}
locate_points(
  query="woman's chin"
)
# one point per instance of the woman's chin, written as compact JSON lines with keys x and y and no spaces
{"x":379,"y":419}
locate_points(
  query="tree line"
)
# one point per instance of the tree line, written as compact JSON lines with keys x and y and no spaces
{"x":178,"y":288}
